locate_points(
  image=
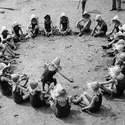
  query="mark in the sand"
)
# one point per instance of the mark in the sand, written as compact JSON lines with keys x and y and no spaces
{"x":95,"y":11}
{"x":16,"y":115}
{"x":76,"y":87}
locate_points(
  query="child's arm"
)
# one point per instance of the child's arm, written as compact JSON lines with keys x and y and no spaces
{"x":87,"y":24}
{"x":108,"y":82}
{"x":79,"y":22}
{"x":78,"y":100}
{"x":93,"y":31}
{"x":70,"y":80}
{"x":51,"y":26}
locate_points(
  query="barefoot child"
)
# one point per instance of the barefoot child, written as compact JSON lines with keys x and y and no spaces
{"x":92,"y":102}
{"x":34,"y":26}
{"x":17,"y":32}
{"x":48,"y":25}
{"x":117,"y":25}
{"x":64,"y":27}
{"x":101,"y":27}
{"x":116,"y":84}
{"x":85,"y":27}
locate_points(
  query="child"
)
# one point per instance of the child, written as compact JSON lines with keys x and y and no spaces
{"x":5,"y":84}
{"x":92,"y":102}
{"x":34,"y":26}
{"x":117,"y":82}
{"x":7,"y":38}
{"x":60,"y":103}
{"x":118,"y":36}
{"x":117,"y":25}
{"x":64,"y":27}
{"x":48,"y":25}
{"x":19,"y":92}
{"x":85,"y":28}
{"x":17,"y":32}
{"x":36,"y":96}
{"x":101,"y":27}
{"x":50,"y":70}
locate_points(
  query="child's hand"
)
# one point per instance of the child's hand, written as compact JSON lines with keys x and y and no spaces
{"x":71,"y":80}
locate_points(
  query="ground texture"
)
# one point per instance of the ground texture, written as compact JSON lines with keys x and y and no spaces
{"x":81,"y":58}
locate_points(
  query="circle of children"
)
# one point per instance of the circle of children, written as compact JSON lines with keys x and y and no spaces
{"x":55,"y":95}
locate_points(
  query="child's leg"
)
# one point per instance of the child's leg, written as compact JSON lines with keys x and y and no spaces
{"x":9,"y":50}
{"x":86,"y":98}
{"x":78,"y":100}
{"x":54,"y":81}
{"x":79,"y":26}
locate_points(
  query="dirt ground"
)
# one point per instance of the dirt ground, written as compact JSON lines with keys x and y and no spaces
{"x":81,"y":58}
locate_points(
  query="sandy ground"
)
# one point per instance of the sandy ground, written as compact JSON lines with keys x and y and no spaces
{"x":82,"y":59}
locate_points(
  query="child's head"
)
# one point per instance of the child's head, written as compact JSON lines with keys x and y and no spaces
{"x":94,"y":86}
{"x":15,"y":77}
{"x":115,"y":19}
{"x":98,"y":18}
{"x":47,"y":18}
{"x":115,"y":71}
{"x":34,"y":19}
{"x":121,"y":57}
{"x":86,"y":15}
{"x":33,"y":85}
{"x":63,"y":17}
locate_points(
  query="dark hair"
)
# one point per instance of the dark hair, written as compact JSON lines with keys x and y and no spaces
{"x":47,"y":16}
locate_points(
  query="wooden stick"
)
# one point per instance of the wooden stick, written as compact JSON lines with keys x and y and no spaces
{"x":70,"y":80}
{"x":8,"y":8}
